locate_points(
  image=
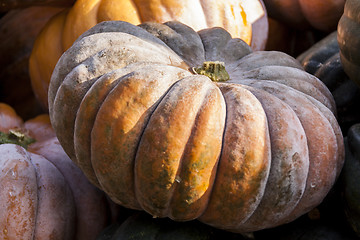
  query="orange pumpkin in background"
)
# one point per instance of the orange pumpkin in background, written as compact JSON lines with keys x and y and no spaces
{"x":301,"y":14}
{"x":18,"y":30}
{"x":291,"y":40}
{"x":243,"y":19}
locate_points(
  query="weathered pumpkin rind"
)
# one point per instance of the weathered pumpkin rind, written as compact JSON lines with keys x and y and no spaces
{"x":43,"y":191}
{"x":267,"y":160}
{"x":26,"y":202}
{"x":244,"y":19}
{"x":348,"y":38}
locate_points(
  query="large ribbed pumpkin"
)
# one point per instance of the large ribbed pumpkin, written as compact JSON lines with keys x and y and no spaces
{"x":244,"y":19}
{"x":349,"y":39}
{"x":43,"y":194}
{"x":136,"y":109}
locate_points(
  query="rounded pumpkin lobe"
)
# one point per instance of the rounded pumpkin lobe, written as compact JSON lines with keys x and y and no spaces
{"x":215,"y":70}
{"x":174,"y":165}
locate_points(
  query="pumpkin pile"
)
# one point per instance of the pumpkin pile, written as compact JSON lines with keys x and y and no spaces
{"x":167,"y":119}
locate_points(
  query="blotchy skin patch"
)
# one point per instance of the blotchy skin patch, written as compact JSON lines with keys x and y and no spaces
{"x":18,"y":195}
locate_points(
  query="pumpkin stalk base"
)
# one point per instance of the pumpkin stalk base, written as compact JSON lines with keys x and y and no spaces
{"x":15,"y":136}
{"x":214,"y":70}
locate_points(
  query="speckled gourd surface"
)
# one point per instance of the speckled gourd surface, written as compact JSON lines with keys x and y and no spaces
{"x":249,"y":153}
{"x":43,"y":194}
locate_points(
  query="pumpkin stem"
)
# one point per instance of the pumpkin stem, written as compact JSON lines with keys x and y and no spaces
{"x":15,"y":136}
{"x":214,"y":70}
